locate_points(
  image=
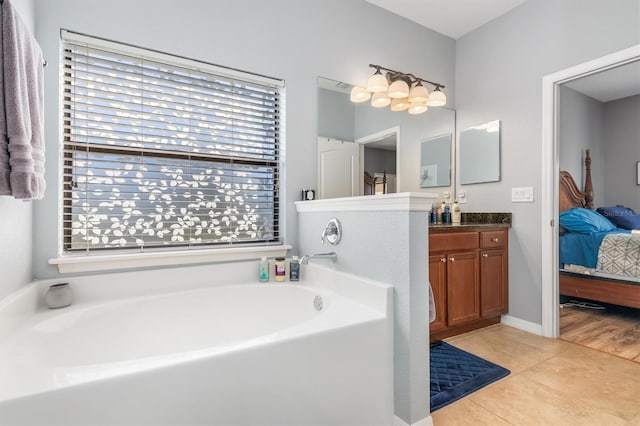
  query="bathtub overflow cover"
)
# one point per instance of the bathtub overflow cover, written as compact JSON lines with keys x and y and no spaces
{"x":317,"y":302}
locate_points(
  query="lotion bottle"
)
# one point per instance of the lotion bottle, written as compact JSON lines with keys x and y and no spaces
{"x":456,"y":216}
{"x":280,"y":269}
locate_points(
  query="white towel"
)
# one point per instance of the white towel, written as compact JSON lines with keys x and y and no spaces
{"x":21,"y":110}
{"x":432,"y":306}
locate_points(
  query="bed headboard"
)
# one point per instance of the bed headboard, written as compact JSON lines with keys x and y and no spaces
{"x":570,"y":195}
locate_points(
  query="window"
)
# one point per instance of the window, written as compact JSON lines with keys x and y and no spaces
{"x":160,"y":151}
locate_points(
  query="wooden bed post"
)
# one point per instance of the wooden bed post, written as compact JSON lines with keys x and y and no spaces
{"x":617,"y":291}
{"x":588,"y":185}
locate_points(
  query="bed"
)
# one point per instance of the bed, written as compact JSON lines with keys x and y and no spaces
{"x":580,"y":256}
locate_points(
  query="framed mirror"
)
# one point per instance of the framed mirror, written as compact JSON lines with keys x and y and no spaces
{"x":479,"y":156}
{"x":353,"y":127}
{"x":435,"y":162}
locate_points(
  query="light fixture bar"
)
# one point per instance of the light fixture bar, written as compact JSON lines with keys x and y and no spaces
{"x":403,"y":91}
{"x":399,"y":74}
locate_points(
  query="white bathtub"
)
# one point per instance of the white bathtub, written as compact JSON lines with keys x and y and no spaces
{"x":245,"y":354}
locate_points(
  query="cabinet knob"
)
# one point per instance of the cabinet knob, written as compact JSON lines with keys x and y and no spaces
{"x":452,"y":259}
{"x":485,"y":255}
{"x":495,"y":240}
{"x":443,"y":260}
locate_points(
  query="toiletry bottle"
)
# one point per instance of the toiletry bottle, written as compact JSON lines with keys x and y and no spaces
{"x":264,"y":270}
{"x":434,"y":215}
{"x":294,"y":269}
{"x":279,"y":269}
{"x":441,"y":212}
{"x":456,"y":216}
{"x":446,"y":216}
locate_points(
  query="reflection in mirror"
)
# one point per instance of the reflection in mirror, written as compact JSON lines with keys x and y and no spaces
{"x":480,"y":153}
{"x":435,"y":162}
{"x":355,"y":127}
{"x":379,"y":152}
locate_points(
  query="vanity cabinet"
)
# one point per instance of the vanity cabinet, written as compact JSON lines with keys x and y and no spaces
{"x":468,"y":272}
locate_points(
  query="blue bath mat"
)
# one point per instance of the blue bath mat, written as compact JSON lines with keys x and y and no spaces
{"x":456,"y":373}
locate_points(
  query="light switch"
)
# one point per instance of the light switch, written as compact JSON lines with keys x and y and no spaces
{"x":522,"y":194}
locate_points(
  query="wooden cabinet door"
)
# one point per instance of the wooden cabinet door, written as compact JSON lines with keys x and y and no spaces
{"x":494,"y":296}
{"x":463,"y":287}
{"x":438,"y":280}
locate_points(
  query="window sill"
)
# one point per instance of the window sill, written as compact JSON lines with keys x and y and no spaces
{"x":68,"y":264}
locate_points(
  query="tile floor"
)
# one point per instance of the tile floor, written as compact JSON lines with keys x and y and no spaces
{"x":552,"y":382}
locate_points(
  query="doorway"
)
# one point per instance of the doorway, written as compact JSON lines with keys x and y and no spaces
{"x":550,"y":176}
{"x":378,"y":159}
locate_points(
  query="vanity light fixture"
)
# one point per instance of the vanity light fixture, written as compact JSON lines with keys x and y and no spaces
{"x":380,"y":100}
{"x":377,"y":82}
{"x":437,"y":98}
{"x":360,"y":94}
{"x":399,"y":104}
{"x":402,"y":91}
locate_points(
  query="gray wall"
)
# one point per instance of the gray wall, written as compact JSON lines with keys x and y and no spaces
{"x":581,"y":126}
{"x":621,"y":152}
{"x":379,"y":160}
{"x":391,"y":247}
{"x":16,"y":231}
{"x":293,"y":40}
{"x":338,"y":115}
{"x":499,"y":71}
{"x":612,"y":131}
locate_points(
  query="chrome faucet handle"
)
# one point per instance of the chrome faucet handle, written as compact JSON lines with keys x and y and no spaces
{"x":332,"y":232}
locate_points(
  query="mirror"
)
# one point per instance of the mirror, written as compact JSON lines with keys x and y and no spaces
{"x":480,"y":153}
{"x":348,"y":134}
{"x":435,"y":162}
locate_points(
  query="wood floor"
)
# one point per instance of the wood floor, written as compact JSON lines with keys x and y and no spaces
{"x":614,"y":330}
{"x":552,"y":382}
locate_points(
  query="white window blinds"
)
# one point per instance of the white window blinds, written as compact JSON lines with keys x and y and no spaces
{"x":158,"y":154}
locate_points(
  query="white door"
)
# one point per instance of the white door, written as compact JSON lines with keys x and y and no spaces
{"x":337,"y":168}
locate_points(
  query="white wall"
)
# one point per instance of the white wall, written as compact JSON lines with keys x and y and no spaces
{"x":622,"y":152}
{"x":389,"y":245}
{"x":581,"y":127}
{"x":15,"y":226}
{"x":499,"y":71}
{"x":293,"y":40}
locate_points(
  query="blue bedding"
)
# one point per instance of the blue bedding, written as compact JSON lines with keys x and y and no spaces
{"x":582,"y":249}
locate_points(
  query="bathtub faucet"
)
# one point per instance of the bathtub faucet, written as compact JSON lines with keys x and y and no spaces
{"x":305,"y":259}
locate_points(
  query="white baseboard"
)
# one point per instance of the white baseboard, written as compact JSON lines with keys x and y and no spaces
{"x":520,"y":324}
{"x":427,"y":421}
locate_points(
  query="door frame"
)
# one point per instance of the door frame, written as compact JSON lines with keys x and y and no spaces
{"x":550,"y":177}
{"x":372,"y":138}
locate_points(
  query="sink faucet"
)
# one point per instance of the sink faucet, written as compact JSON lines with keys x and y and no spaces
{"x":305,"y":259}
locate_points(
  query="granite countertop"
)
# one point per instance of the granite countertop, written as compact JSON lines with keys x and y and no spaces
{"x":476,"y":221}
{"x":466,"y":226}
